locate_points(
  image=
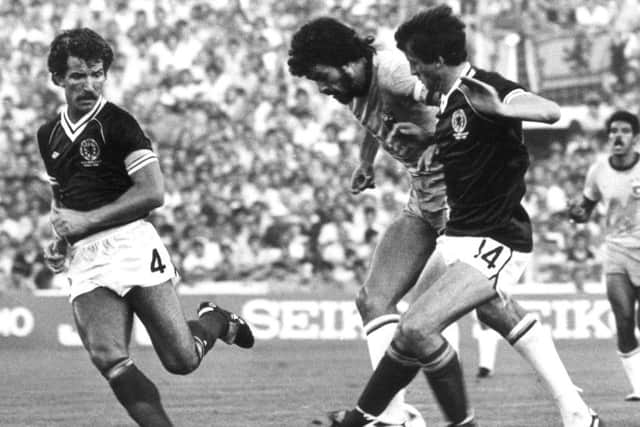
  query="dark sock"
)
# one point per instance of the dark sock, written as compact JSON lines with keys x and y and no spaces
{"x":354,"y":418}
{"x":394,"y":372}
{"x":137,"y":394}
{"x":203,"y":338}
{"x":444,"y":374}
{"x":215,"y":323}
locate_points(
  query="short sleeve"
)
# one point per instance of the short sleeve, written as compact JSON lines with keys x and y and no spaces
{"x":395,"y":75}
{"x":506,"y":88}
{"x":128,"y":136}
{"x":591,"y":190}
{"x":42,"y":138}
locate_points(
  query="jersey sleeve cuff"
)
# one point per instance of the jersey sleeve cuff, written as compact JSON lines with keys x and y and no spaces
{"x":139,"y":159}
{"x":513,"y":94}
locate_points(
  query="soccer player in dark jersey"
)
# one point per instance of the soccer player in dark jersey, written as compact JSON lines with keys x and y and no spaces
{"x":487,"y":240}
{"x":106,"y":179}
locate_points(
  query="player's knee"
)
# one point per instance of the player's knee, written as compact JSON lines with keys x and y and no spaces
{"x":104,"y":357}
{"x":414,"y":330}
{"x":372,"y":306}
{"x":180,"y":364}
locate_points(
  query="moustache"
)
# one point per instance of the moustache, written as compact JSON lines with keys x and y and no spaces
{"x":87,"y":97}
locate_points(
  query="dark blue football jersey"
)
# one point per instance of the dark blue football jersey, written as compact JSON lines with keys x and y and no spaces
{"x":85,"y":161}
{"x":484,"y":161}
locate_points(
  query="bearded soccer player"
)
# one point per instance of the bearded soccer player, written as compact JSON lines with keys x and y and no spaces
{"x":106,"y":179}
{"x":487,"y":240}
{"x":615,"y":180}
{"x":379,"y":89}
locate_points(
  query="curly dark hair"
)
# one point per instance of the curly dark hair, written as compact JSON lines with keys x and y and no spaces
{"x":326,"y":41}
{"x":434,"y":33}
{"x":624,"y":116}
{"x":82,"y":43}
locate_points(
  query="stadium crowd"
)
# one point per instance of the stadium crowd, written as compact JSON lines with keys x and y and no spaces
{"x":256,"y":163}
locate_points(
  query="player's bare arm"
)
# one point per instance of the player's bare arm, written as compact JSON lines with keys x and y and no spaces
{"x":363,"y":176}
{"x":403,"y":132}
{"x":146,"y":194}
{"x":525,"y":106}
{"x":581,"y":212}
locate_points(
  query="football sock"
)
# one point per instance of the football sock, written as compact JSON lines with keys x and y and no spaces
{"x":394,"y":372}
{"x":631,"y":365}
{"x":487,"y":348}
{"x":379,"y":334}
{"x":215,"y":323}
{"x":202,"y":338}
{"x":534,"y":343}
{"x":444,"y":374}
{"x":137,"y":394}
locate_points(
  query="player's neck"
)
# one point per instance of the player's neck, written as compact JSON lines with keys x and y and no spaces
{"x":75,"y":114}
{"x":455,"y":72}
{"x":625,"y":161}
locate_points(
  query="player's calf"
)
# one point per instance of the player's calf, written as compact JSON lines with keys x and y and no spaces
{"x":137,"y":394}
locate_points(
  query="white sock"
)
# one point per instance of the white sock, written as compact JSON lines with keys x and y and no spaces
{"x":379,"y":334}
{"x":487,"y":348}
{"x":534,"y":343}
{"x":452,"y":334}
{"x":631,"y":365}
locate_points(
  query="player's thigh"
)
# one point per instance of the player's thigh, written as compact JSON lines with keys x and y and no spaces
{"x":400,"y":257}
{"x":459,"y":290}
{"x":159,"y":309}
{"x":103,"y":320}
{"x":622,"y":296}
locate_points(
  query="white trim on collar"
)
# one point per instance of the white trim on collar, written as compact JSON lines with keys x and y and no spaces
{"x":467,"y":71}
{"x":74,"y":129}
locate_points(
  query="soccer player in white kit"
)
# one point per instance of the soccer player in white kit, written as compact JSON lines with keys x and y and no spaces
{"x":615,"y":181}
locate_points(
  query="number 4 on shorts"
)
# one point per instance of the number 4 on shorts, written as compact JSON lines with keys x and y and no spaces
{"x":156,"y":262}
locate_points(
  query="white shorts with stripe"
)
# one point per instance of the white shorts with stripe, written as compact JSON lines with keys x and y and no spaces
{"x":499,"y":263}
{"x":119,"y":259}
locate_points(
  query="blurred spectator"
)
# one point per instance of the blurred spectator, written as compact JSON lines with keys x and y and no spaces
{"x":581,"y":259}
{"x":210,"y":85}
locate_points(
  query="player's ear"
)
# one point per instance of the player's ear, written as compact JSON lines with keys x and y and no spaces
{"x":55,"y":78}
{"x":440,"y":61}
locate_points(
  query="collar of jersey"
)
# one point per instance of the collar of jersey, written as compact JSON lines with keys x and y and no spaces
{"x":467,"y":71}
{"x":74,"y":129}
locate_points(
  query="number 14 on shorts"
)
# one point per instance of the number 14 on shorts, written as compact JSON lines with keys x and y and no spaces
{"x":490,"y":257}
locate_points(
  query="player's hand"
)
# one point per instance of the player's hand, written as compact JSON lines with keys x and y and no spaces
{"x":68,"y":222}
{"x":55,"y":255}
{"x":482,"y":97}
{"x":406,"y":131}
{"x":362,"y":178}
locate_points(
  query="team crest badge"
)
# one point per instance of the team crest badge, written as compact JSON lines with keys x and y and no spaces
{"x":635,"y":188}
{"x":459,"y":124}
{"x":90,"y":152}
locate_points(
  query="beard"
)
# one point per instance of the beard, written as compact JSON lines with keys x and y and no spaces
{"x":350,"y":89}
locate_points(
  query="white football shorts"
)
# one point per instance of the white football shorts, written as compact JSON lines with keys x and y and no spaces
{"x":621,"y":260}
{"x":498,"y":262}
{"x":119,"y":259}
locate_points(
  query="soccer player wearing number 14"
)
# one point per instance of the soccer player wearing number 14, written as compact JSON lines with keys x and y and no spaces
{"x":488,"y":238}
{"x":105,"y":180}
